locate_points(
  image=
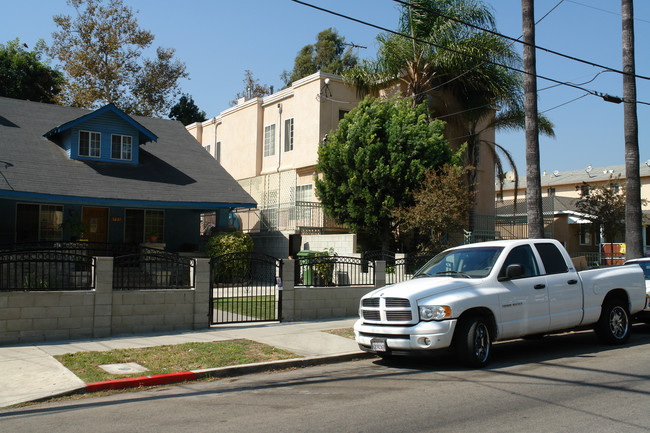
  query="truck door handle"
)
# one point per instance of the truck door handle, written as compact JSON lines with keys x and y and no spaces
{"x":572,"y":281}
{"x":539,"y":286}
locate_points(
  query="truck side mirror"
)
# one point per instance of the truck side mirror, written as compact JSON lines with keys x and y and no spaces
{"x":512,"y":272}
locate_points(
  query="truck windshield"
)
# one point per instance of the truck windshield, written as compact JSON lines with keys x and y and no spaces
{"x":461,"y":263}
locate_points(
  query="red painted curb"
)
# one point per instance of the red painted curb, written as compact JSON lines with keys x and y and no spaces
{"x":133,"y":382}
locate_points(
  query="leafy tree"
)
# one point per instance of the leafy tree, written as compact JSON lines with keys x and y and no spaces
{"x":186,"y":111}
{"x":252,"y":88}
{"x":328,"y":54}
{"x":453,"y":67}
{"x":24,"y":75}
{"x":101,"y":53}
{"x":604,"y":206}
{"x":374,"y":160}
{"x":441,"y":205}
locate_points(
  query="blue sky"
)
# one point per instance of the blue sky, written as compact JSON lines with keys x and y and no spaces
{"x":218,"y":40}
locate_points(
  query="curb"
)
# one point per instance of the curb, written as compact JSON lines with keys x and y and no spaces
{"x":229,"y":371}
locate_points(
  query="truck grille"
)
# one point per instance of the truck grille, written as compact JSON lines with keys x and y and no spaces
{"x":386,"y":309}
{"x":371,"y":315}
{"x":371,"y":302}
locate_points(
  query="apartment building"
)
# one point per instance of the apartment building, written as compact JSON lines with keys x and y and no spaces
{"x":561,"y":190}
{"x":270,"y":146}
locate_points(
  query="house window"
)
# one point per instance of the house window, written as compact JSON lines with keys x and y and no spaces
{"x":550,"y":191}
{"x":269,"y":140}
{"x":39,"y":222}
{"x":207,"y":149}
{"x":303,"y":192}
{"x":302,"y":206}
{"x":585,"y":234}
{"x":217,"y":152}
{"x":121,"y":147}
{"x":141,"y":224}
{"x":288,"y":135}
{"x":89,"y":144}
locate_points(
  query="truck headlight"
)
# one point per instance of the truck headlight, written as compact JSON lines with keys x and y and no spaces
{"x":434,"y":312}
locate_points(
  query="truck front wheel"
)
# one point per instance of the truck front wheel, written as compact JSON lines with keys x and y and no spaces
{"x":473,"y":343}
{"x":613,"y":327}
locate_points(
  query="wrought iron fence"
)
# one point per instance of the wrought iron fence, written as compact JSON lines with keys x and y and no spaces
{"x":405,"y":267}
{"x":46,"y":270}
{"x":245,"y":288}
{"x":289,"y":216}
{"x":325,"y":271}
{"x":98,"y":249}
{"x":153,"y":270}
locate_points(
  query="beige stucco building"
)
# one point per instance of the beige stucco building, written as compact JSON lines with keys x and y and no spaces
{"x":270,"y":145}
{"x":562,"y":189}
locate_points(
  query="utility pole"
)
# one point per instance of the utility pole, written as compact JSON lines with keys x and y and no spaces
{"x":533,"y":178}
{"x":633,"y":224}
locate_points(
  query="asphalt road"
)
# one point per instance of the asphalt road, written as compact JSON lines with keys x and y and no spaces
{"x":565,"y":383}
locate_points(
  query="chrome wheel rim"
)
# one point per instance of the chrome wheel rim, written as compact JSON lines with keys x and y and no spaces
{"x":618,"y":323}
{"x":481,"y":342}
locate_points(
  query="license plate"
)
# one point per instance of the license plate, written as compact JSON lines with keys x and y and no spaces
{"x":378,"y":344}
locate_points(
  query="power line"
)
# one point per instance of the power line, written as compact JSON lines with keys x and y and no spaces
{"x":510,"y":38}
{"x":604,"y":10}
{"x":384,"y":29}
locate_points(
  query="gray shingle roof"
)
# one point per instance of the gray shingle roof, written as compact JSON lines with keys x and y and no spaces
{"x":175,"y":171}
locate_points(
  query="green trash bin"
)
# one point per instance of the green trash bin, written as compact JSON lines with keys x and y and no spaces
{"x":306,"y":267}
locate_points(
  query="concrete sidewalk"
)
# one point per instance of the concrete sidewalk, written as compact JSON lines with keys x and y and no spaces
{"x":29,"y":372}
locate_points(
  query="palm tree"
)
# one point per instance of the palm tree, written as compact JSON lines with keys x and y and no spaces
{"x":633,"y":224}
{"x":464,"y":73}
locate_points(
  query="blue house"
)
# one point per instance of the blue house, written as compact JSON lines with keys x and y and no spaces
{"x":104,"y":176}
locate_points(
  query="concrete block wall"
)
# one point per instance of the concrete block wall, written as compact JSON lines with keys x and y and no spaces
{"x":40,"y":316}
{"x":67,"y":315}
{"x":307,"y":303}
{"x":140,"y":311}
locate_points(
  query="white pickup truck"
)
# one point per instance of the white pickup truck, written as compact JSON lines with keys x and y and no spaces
{"x":469,"y":296}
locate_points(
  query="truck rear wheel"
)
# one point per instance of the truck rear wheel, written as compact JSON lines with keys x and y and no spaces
{"x":613,"y":327}
{"x":473,"y":343}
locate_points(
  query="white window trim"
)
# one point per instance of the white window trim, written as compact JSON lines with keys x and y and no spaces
{"x":121,"y":147}
{"x":288,"y":135}
{"x":90,"y":134}
{"x":269,"y":140}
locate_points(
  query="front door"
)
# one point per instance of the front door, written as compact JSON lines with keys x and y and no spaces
{"x":524,"y":301}
{"x":95,"y":220}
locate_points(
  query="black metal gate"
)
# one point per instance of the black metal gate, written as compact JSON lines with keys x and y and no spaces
{"x":246,"y":287}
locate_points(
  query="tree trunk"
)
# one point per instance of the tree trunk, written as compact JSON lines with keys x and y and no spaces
{"x":533,"y":178}
{"x":633,"y":224}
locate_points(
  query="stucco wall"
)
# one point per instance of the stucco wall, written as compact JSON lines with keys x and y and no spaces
{"x":343,"y":244}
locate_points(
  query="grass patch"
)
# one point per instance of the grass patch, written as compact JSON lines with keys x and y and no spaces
{"x":342,"y":332}
{"x":259,"y":307}
{"x":171,"y":358}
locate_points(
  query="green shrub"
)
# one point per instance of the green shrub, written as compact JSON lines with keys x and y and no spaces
{"x":226,"y":243}
{"x":230,"y":270}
